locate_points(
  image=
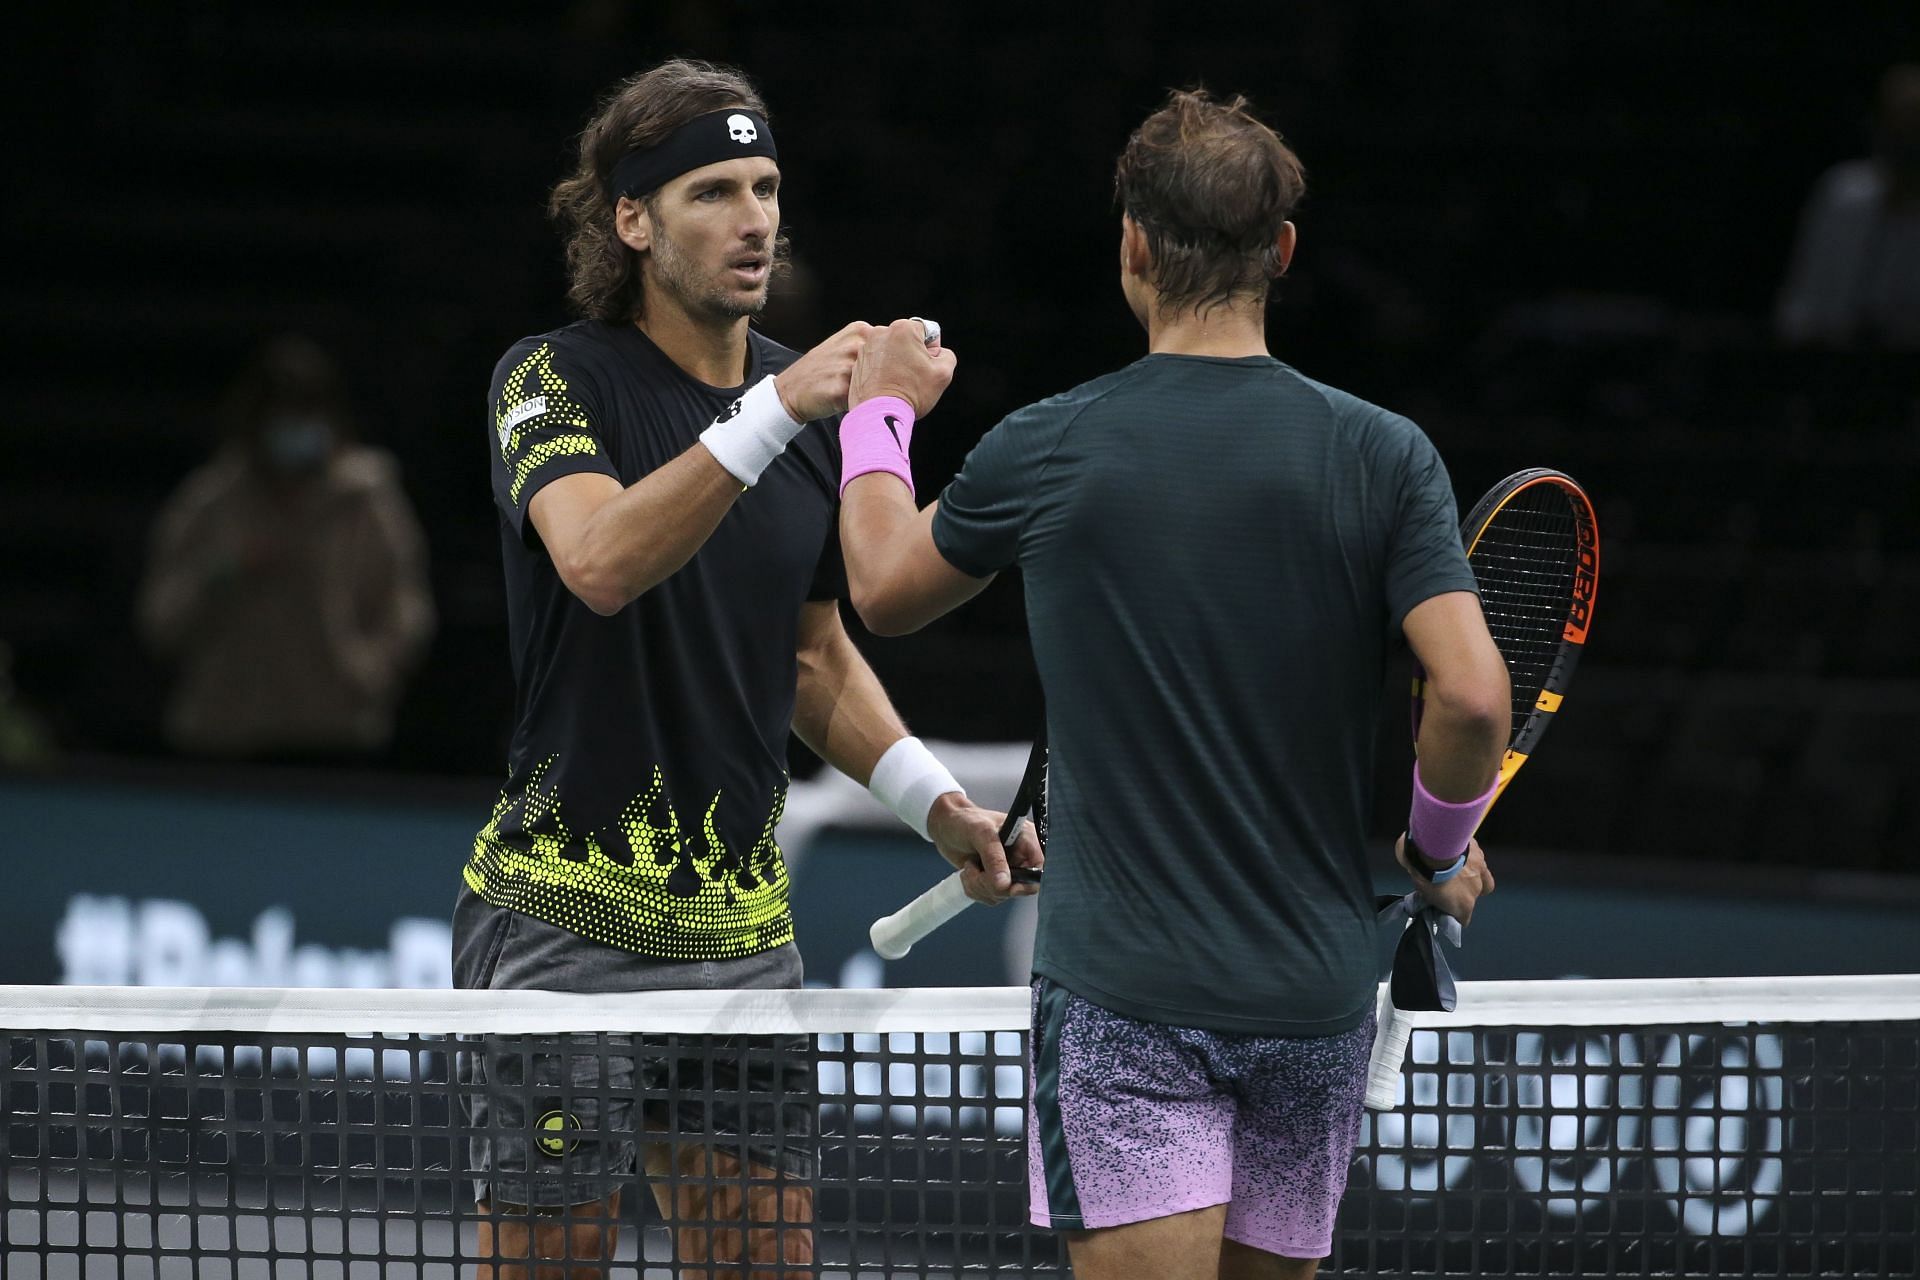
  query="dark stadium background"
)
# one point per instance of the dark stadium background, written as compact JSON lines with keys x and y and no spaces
{"x":1550,"y":234}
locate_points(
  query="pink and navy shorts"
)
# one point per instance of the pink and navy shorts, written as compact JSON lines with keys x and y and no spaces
{"x":1132,"y":1120}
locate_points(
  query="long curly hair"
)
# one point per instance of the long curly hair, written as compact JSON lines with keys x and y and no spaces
{"x":603,"y":275}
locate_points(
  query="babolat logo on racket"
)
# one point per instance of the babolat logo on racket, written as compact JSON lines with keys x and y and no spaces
{"x":1586,"y":575}
{"x":556,"y":1133}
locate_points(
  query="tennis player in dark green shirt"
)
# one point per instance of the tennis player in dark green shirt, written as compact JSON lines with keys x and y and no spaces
{"x":1218,"y":554}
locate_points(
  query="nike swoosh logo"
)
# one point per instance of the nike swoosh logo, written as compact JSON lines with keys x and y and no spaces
{"x":893,"y":427}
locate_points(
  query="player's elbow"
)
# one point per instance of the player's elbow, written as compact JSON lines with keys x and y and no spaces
{"x":604,"y":605}
{"x":882,"y":612}
{"x":1479,"y":704}
{"x":595,"y":584}
{"x":603,"y":600}
{"x":1491,"y":720}
{"x":884,"y":605}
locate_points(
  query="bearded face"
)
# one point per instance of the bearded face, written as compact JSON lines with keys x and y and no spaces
{"x":715,"y":243}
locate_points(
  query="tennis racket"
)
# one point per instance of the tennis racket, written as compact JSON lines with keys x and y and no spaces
{"x":1534,"y":548}
{"x":893,"y":936}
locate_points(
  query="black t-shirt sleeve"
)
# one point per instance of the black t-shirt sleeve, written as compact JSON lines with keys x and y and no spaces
{"x":983,"y":512}
{"x":1424,"y":555}
{"x":547,"y":422}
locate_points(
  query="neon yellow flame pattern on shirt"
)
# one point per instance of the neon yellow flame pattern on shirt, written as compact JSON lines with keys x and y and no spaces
{"x":661,"y":889}
{"x":561,"y":424}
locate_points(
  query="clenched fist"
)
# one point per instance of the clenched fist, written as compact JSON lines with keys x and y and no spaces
{"x":815,"y":385}
{"x":896,"y":361}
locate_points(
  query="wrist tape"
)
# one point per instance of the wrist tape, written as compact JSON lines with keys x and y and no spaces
{"x":751,"y":433}
{"x":908,"y":779}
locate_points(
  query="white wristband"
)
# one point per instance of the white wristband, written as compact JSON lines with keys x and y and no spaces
{"x":752,"y":432}
{"x":908,"y":780}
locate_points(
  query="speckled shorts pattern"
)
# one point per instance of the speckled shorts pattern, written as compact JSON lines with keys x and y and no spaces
{"x":1133,"y":1120}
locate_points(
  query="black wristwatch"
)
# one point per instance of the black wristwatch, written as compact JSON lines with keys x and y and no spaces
{"x":1424,"y":868}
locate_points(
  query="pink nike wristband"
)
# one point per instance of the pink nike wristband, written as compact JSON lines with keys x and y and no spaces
{"x":874,"y":436}
{"x":1442,"y":827}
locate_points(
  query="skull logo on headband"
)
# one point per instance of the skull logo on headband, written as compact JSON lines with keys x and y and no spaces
{"x":708,"y":139}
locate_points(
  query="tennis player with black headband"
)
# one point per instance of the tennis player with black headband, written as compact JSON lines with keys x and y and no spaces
{"x":667,"y":480}
{"x":1217,"y":554}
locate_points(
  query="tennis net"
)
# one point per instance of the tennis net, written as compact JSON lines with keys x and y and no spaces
{"x":1723,"y":1127}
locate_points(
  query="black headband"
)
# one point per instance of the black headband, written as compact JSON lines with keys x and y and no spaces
{"x":704,"y":140}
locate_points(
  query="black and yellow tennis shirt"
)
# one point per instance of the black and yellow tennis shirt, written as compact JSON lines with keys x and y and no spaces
{"x":647,"y":769}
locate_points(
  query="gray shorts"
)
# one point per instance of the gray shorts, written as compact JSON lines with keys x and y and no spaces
{"x":553,"y":1117}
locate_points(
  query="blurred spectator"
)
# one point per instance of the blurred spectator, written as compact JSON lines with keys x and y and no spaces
{"x":287,"y":576}
{"x":1854,"y":280}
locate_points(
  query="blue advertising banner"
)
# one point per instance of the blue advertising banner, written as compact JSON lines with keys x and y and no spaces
{"x":133,"y":883}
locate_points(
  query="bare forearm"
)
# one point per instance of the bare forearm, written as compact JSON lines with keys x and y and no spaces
{"x":876,"y":519}
{"x":1467,"y":713}
{"x":641,"y":536}
{"x":896,"y":576}
{"x":1460,"y":748}
{"x":840,"y":711}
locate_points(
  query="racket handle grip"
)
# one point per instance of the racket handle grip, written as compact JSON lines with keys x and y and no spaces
{"x":1389,"y":1052}
{"x":893,"y":936}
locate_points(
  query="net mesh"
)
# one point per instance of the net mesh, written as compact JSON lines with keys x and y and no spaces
{"x":1524,"y":562}
{"x":1691,"y":1146}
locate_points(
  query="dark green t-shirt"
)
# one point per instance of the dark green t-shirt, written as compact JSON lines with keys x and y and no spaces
{"x":1218,"y":554}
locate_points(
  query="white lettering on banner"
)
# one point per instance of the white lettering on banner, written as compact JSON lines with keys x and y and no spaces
{"x":160,"y":942}
{"x":1566,"y":1113}
{"x":991,"y":1095}
{"x":1733,"y":1132}
{"x":864,"y":970}
{"x":172,"y":945}
{"x":1578,"y":1109}
{"x":857,"y":1071}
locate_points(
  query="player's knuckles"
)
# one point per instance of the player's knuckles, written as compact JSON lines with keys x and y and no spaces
{"x":981,"y":889}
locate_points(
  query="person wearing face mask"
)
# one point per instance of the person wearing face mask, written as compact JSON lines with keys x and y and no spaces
{"x":1854,"y":280}
{"x":287,"y":577}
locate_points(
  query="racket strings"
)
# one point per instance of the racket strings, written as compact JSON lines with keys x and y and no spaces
{"x":1524,"y":562}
